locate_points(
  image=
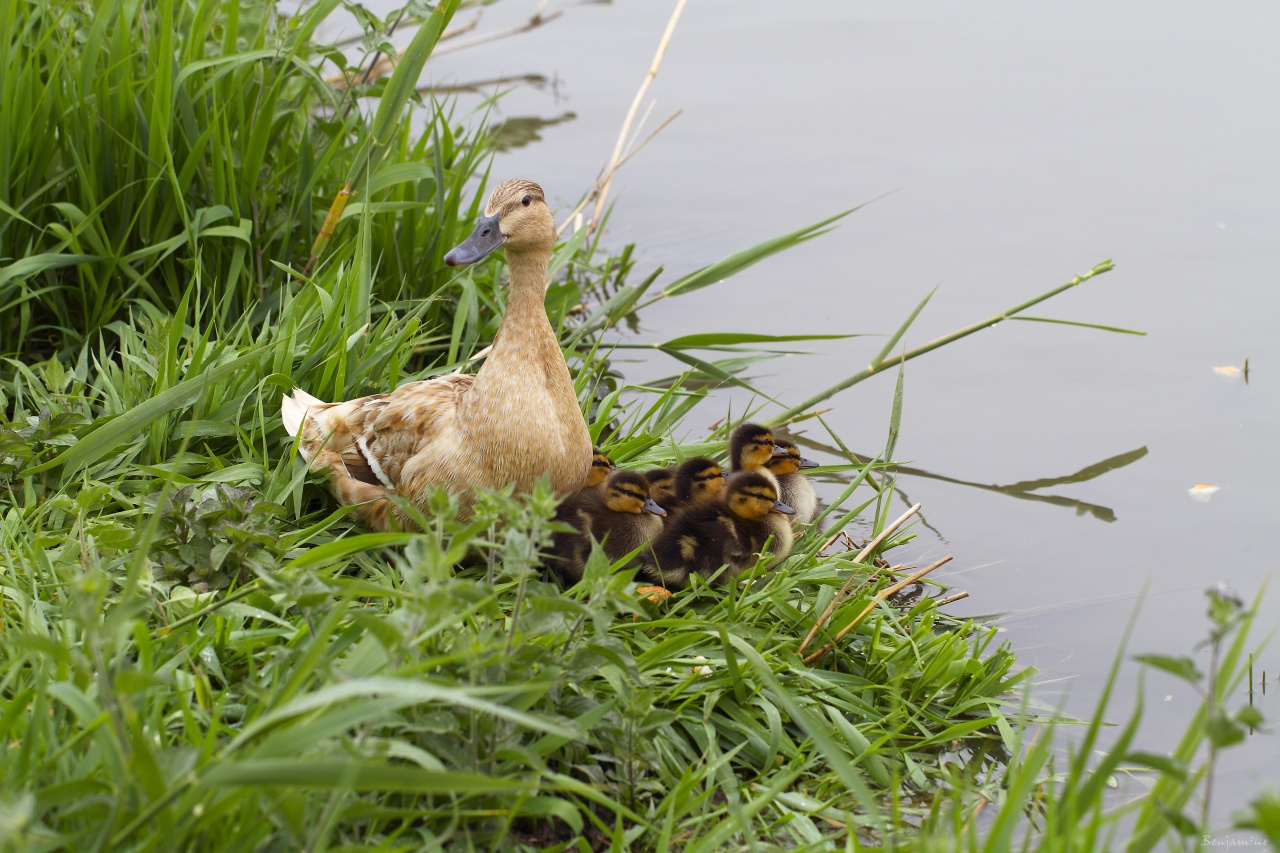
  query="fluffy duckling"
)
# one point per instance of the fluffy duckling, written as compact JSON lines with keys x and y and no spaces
{"x":794,"y":487}
{"x":731,"y":529}
{"x":661,"y":483}
{"x":515,"y":420}
{"x":751,"y":446}
{"x":601,"y":467}
{"x":621,"y":517}
{"x":694,"y":480}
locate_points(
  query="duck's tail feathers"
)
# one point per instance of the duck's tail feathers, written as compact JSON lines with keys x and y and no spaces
{"x":293,"y":411}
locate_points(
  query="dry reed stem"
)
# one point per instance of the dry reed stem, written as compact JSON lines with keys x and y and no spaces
{"x":536,"y":20}
{"x":835,"y":602}
{"x":600,"y":190}
{"x":385,"y":64}
{"x":616,"y":159}
{"x":879,"y":596}
{"x":460,"y":30}
{"x":950,"y":599}
{"x":575,"y":216}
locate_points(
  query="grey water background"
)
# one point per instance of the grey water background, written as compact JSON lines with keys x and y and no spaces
{"x":1009,"y":146}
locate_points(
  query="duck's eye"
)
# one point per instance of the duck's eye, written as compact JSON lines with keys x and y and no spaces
{"x":526,"y":200}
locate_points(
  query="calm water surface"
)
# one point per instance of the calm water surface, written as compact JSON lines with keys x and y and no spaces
{"x":1017,"y":145}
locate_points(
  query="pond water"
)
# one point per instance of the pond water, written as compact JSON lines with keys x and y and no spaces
{"x":1009,"y":147}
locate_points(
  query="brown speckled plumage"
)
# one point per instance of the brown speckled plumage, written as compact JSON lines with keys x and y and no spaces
{"x":513,"y":421}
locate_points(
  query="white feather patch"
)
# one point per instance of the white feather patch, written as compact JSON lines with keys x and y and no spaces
{"x":376,"y":468}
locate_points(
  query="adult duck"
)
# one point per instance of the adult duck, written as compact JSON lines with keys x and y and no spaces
{"x":515,"y":420}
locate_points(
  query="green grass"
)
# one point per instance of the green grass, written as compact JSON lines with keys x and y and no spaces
{"x":200,"y":651}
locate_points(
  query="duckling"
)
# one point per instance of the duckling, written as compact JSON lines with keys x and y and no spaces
{"x":732,"y":529}
{"x":695,"y":479}
{"x":601,"y":467}
{"x":515,"y":420}
{"x":621,"y":517}
{"x":661,"y":482}
{"x":750,"y":447}
{"x":795,"y":487}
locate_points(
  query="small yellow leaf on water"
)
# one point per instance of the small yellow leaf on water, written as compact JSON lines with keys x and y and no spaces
{"x":1227,"y":370}
{"x":1202,"y":491}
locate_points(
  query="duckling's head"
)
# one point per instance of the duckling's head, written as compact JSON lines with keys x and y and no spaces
{"x":753,"y":495}
{"x":790,"y":461}
{"x":751,"y":446}
{"x":628,"y":491}
{"x":660,"y":481}
{"x":601,"y":467}
{"x":517,"y":217}
{"x":697,"y":478}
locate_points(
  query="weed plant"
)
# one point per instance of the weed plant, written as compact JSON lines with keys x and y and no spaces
{"x":200,"y":652}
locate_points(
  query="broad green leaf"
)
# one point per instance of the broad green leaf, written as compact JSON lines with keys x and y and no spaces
{"x":730,"y":338}
{"x":355,"y":774}
{"x":902,"y":330}
{"x":404,"y":80}
{"x":332,"y":551}
{"x":36,"y":264}
{"x":1116,"y":329}
{"x":108,"y":434}
{"x":740,"y":261}
{"x":1182,"y":667}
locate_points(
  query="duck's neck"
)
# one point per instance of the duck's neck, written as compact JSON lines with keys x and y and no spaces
{"x":525,"y":339}
{"x":526,"y":300}
{"x":521,"y":418}
{"x":526,"y":365}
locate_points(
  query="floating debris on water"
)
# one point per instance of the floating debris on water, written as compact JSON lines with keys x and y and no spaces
{"x":1202,"y":491}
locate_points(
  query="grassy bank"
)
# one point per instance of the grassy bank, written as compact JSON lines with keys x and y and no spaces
{"x":200,"y":652}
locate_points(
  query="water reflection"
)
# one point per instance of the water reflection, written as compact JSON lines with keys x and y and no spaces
{"x":488,"y":86}
{"x":523,"y":130}
{"x":1023,"y":489}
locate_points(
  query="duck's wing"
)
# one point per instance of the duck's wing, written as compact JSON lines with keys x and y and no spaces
{"x":369,"y":439}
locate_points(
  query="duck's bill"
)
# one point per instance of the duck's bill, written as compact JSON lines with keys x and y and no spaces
{"x":487,"y":237}
{"x":650,"y":506}
{"x":808,"y":463}
{"x":785,"y":509}
{"x":779,"y":450}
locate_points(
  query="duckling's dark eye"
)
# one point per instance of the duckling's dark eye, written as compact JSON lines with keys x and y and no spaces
{"x":525,"y":201}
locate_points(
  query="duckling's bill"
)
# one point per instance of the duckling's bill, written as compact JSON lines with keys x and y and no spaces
{"x":785,"y":509}
{"x":651,"y":506}
{"x":486,"y":237}
{"x":808,"y":463}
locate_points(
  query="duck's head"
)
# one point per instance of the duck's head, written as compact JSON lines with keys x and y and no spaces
{"x":660,"y":480}
{"x":697,"y":478}
{"x":628,"y":491}
{"x":601,"y":467}
{"x":753,"y":495}
{"x":751,"y":446}
{"x":517,"y":217}
{"x":790,"y":461}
